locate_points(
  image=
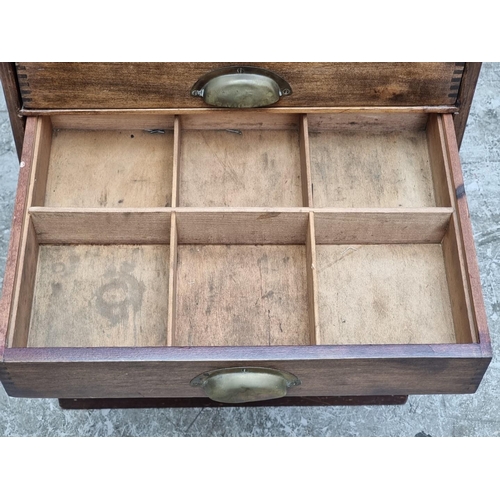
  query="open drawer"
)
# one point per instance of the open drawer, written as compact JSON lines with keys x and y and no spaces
{"x":149,"y":249}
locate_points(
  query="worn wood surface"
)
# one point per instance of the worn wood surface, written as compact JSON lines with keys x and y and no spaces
{"x":176,"y":161}
{"x":323,"y":370}
{"x":383,"y":294}
{"x":255,"y":168}
{"x":305,"y":162}
{"x":16,"y":230}
{"x":113,"y":121}
{"x":460,"y":302}
{"x":376,"y":226}
{"x":96,"y":226}
{"x":165,"y":85}
{"x":28,"y":253}
{"x":241,"y":296}
{"x":96,"y":296}
{"x":364,"y":169}
{"x":379,"y":121}
{"x":25,"y":291}
{"x":105,"y":168}
{"x":172,"y":282}
{"x":312,"y":283}
{"x":256,"y":226}
{"x":262,"y":112}
{"x":471,"y":268}
{"x":443,"y":192}
{"x":243,"y":119}
{"x":465,"y":96}
{"x":11,"y":90}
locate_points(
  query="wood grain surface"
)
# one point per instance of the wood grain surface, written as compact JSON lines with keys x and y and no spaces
{"x":383,"y":294}
{"x":166,"y":85}
{"x":167,"y":371}
{"x":100,"y":296}
{"x":16,"y":231}
{"x":465,"y":95}
{"x":466,"y":237}
{"x":241,"y":295}
{"x":59,"y":226}
{"x":12,"y":93}
{"x":366,"y":169}
{"x":107,"y":168}
{"x":252,"y":168}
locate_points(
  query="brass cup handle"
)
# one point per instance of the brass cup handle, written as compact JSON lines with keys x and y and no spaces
{"x":245,"y":385}
{"x":241,"y":87}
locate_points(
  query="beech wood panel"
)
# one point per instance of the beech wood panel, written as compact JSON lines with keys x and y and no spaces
{"x":441,"y":180}
{"x":378,"y":226}
{"x":25,"y":291}
{"x":98,"y":296}
{"x":323,"y":370}
{"x":113,"y":169}
{"x":113,"y":121}
{"x":370,"y":121}
{"x":366,"y":169}
{"x":312,"y":283}
{"x":172,"y":283}
{"x":471,"y":266}
{"x":305,"y":162}
{"x":241,"y":295}
{"x":252,"y":168}
{"x":16,"y":230}
{"x":257,"y":226}
{"x":101,"y":226}
{"x":164,"y":85}
{"x":383,"y":294}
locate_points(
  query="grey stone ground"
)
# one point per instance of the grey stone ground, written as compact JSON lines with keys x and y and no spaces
{"x":467,"y":415}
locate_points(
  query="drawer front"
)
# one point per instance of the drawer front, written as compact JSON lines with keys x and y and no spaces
{"x":322,"y":371}
{"x":168,"y":85}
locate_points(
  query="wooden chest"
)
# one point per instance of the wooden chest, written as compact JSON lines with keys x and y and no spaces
{"x":165,"y":248}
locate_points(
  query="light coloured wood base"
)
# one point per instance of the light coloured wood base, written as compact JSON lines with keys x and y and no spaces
{"x":281,"y":230}
{"x":101,"y":296}
{"x":110,"y":168}
{"x":383,"y":294}
{"x":241,"y":295}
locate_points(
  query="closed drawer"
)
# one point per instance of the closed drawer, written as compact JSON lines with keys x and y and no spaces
{"x":148,"y":249}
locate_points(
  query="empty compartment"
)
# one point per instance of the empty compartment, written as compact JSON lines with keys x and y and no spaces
{"x":384,"y":294}
{"x":371,"y":161}
{"x":245,"y":164}
{"x":110,"y":168}
{"x":241,"y":295}
{"x":100,"y":296}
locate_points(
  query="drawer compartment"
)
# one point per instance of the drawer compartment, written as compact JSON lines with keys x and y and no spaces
{"x":102,"y":296}
{"x":112,"y":168}
{"x":384,"y":294}
{"x":241,"y":295}
{"x":333,"y":247}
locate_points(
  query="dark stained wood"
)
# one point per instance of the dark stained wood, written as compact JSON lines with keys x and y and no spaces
{"x":12,"y":93}
{"x":17,"y":228}
{"x":167,"y":371}
{"x":166,"y":85}
{"x":118,"y":403}
{"x":467,"y":235}
{"x":465,"y":95}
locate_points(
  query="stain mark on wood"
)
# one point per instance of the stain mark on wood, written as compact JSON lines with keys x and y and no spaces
{"x":269,"y":215}
{"x":460,"y":191}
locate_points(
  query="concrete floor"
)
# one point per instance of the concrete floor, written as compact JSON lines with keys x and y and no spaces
{"x":468,"y":415}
